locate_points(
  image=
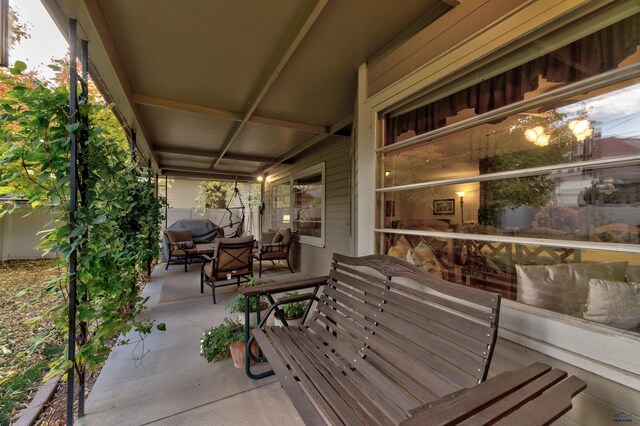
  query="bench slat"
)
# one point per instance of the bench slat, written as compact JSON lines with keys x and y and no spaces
{"x":471,"y":310}
{"x":330,"y":391}
{"x":349,"y":390}
{"x":389,"y":346}
{"x":409,"y":327}
{"x":377,"y":379}
{"x":547,"y":408}
{"x":450,"y":320}
{"x":305,"y":407}
{"x":448,"y":410}
{"x":506,"y":405}
{"x":373,"y":392}
{"x":400,"y":268}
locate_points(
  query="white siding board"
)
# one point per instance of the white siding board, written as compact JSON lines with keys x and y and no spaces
{"x":335,"y":153}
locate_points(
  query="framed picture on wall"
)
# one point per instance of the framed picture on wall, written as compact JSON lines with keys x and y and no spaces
{"x":444,"y":206}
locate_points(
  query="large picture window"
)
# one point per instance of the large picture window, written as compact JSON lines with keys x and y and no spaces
{"x":298,"y":203}
{"x":535,"y":174}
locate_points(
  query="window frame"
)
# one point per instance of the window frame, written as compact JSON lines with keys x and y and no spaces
{"x":309,"y":171}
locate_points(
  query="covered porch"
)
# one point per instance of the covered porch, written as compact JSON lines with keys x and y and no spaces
{"x":297,"y":96}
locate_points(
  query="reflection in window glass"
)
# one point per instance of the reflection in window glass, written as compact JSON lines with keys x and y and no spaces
{"x":604,"y":123}
{"x":590,"y":204}
{"x":281,"y":203}
{"x":599,"y":286}
{"x":307,"y":205}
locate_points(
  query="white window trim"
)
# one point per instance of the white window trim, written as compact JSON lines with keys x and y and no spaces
{"x":304,"y":239}
{"x":617,"y":361}
{"x":318,"y":168}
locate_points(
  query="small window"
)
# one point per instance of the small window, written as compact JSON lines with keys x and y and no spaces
{"x":298,"y":203}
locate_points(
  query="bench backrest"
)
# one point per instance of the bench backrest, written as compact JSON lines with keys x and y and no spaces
{"x":421,"y":337}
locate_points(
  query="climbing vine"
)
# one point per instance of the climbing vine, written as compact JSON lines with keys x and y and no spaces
{"x":117,"y":217}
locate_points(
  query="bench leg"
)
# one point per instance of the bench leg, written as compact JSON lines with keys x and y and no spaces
{"x":248,"y":340}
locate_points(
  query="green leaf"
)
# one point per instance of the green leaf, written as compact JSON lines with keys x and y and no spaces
{"x":18,"y":68}
{"x":162,"y":326}
{"x":72,"y":127}
{"x":100,"y":219}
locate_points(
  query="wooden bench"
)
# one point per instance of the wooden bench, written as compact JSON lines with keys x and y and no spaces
{"x":384,"y":341}
{"x":376,"y":348}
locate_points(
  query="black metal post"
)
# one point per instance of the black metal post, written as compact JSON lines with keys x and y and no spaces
{"x":73,"y":108}
{"x":166,"y":201}
{"x":134,"y":143}
{"x":84,"y":96}
{"x":150,"y":237}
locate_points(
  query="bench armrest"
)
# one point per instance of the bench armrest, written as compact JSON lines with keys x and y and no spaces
{"x":270,"y":288}
{"x":280,"y":302}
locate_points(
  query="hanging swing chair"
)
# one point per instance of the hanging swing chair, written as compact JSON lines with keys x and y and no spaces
{"x":235,"y":220}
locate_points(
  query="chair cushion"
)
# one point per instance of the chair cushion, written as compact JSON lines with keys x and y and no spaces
{"x":182,"y":246}
{"x":273,"y":255}
{"x":286,"y":236}
{"x":267,"y":237}
{"x":177,"y":236}
{"x":269,"y":248}
{"x":277,"y":237}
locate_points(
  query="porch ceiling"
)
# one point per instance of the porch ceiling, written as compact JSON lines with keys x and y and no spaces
{"x":235,"y":86}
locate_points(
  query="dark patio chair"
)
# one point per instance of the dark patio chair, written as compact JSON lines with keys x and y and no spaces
{"x":231,"y":259}
{"x":181,"y":245}
{"x":275,"y":251}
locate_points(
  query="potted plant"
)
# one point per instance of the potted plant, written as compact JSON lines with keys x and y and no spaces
{"x":237,"y":306}
{"x":226,"y":340}
{"x":292,"y":311}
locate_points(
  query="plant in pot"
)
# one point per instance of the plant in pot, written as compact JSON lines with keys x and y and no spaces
{"x":227,"y":339}
{"x":292,"y":311}
{"x":237,"y":306}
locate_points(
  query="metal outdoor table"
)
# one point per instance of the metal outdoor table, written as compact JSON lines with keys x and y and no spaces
{"x":268,"y":288}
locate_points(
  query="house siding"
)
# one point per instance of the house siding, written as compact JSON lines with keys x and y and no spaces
{"x":335,"y":153}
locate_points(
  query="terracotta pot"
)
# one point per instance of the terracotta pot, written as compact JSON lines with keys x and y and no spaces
{"x":238,"y":353}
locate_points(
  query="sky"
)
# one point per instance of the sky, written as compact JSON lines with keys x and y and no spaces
{"x":46,"y":41}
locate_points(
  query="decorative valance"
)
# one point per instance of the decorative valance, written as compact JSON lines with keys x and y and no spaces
{"x":589,"y":56}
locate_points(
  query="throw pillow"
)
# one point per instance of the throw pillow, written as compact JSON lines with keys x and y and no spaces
{"x":267,"y":237}
{"x":614,"y":303}
{"x":277,"y":237}
{"x":633,"y":273}
{"x":183,"y":245}
{"x":425,"y":258}
{"x":400,"y":248}
{"x":563,"y":287}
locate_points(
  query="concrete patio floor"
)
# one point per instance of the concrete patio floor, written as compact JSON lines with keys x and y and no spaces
{"x":172,"y":384}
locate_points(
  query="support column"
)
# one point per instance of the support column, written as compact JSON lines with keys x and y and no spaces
{"x":134,"y":147}
{"x":166,"y":202}
{"x":73,"y":109}
{"x":83,"y":160}
{"x":150,"y":237}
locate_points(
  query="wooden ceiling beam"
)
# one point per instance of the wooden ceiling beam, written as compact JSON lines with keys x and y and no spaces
{"x":155,"y":101}
{"x":207,"y":176}
{"x":211,"y":154}
{"x":168,"y":170}
{"x":308,"y":18}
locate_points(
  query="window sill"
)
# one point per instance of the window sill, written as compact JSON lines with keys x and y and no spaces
{"x":606,"y":351}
